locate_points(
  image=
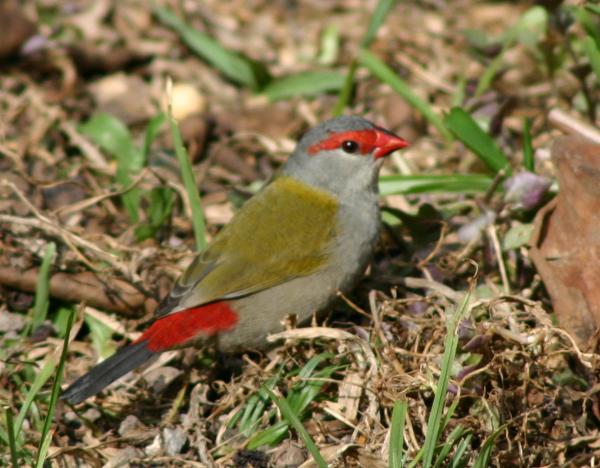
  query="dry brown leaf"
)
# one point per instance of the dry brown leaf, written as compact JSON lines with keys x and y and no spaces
{"x":565,"y":245}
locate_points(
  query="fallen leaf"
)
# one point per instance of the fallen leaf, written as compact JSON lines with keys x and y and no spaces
{"x":565,"y":245}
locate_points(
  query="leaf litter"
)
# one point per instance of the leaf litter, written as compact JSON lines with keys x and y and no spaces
{"x":515,"y":372}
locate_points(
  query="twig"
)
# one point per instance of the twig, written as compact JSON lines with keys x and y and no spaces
{"x":83,"y":204}
{"x":72,"y":240}
{"x":569,"y":124}
{"x":88,"y":150}
{"x":493,"y":233}
{"x":440,"y":288}
{"x":115,"y":295}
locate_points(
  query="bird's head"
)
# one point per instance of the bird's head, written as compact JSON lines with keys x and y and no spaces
{"x":342,"y":154}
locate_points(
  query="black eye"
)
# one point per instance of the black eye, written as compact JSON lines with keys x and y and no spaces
{"x":350,"y":146}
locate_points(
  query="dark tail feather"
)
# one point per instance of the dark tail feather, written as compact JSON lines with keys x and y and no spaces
{"x":109,"y":370}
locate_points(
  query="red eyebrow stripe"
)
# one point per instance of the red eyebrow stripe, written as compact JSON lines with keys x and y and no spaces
{"x":366,"y":140}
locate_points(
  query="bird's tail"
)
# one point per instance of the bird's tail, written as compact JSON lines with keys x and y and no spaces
{"x":109,"y":370}
{"x":168,"y":332}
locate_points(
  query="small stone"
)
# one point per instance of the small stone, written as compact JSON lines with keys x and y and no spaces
{"x":91,"y":414}
{"x":129,"y":425}
{"x":473,"y":229}
{"x":186,"y":100}
{"x":174,"y":440}
{"x":11,"y":322}
{"x":288,"y":455}
{"x":155,"y":448}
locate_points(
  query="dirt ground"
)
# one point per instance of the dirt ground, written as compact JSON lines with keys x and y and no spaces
{"x":518,"y":380}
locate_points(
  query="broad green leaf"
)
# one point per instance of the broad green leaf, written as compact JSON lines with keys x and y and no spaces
{"x":113,"y":137}
{"x":101,"y":336}
{"x":593,"y":53}
{"x":233,"y":65}
{"x":517,"y":236}
{"x":466,"y":130}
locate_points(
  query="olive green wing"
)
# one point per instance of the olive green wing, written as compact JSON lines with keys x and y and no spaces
{"x":285,"y":231}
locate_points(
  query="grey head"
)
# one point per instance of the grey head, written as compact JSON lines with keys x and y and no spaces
{"x":342,"y":156}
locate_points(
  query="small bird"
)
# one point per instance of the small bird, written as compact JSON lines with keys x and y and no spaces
{"x":305,"y":236}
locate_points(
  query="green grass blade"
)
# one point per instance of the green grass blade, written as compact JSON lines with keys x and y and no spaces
{"x":423,"y":183}
{"x":152,"y":130}
{"x":233,"y":65}
{"x":270,"y":436}
{"x":485,"y":452}
{"x":457,"y":458}
{"x":294,"y":421}
{"x":46,"y":436}
{"x":377,"y":19}
{"x":189,"y":182}
{"x":61,"y":319}
{"x":448,"y":444}
{"x":396,"y":450}
{"x":462,"y":125}
{"x":492,"y":70}
{"x":529,"y":29}
{"x":305,"y":392}
{"x":528,"y":160}
{"x":299,"y":398}
{"x":10,"y":427}
{"x":255,"y":406}
{"x":593,"y":53}
{"x":347,"y":88}
{"x":589,"y":23}
{"x":450,"y":412}
{"x":436,"y":416}
{"x":593,"y":8}
{"x":388,"y":76}
{"x":161,"y":201}
{"x":310,"y":83}
{"x":42,"y":289}
{"x":40,"y":379}
{"x":309,"y":368}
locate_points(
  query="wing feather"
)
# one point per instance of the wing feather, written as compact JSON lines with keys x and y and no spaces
{"x":285,"y":231}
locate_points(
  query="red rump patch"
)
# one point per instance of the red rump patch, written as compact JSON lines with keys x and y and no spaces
{"x":180,"y":327}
